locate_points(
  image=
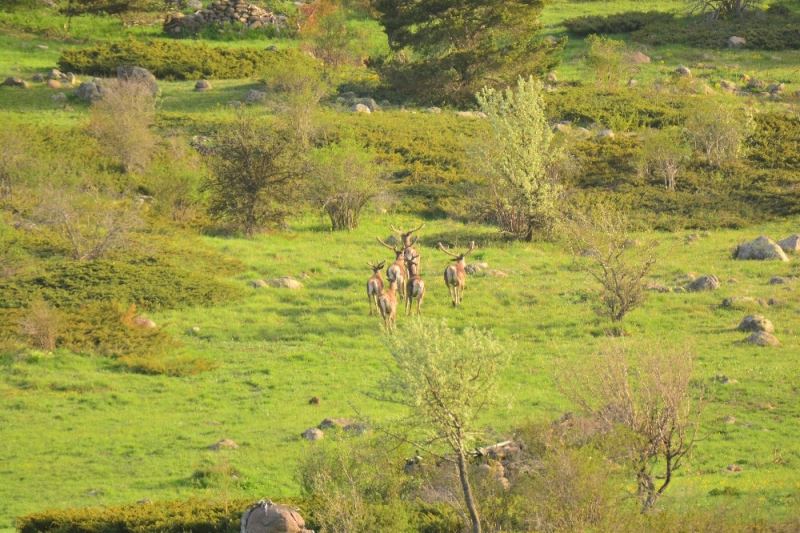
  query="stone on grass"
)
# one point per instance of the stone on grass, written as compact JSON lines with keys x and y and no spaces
{"x":268,"y":517}
{"x":762,"y":338}
{"x":762,"y":249}
{"x":791,"y":244}
{"x":224,"y":444}
{"x":727,"y":86}
{"x":59,"y":98}
{"x":756,"y":323}
{"x":15,"y":82}
{"x":475,"y":268}
{"x":734,"y":41}
{"x":313,"y":434}
{"x":255,"y":96}
{"x":259,"y":284}
{"x":433,"y":110}
{"x":638,"y":58}
{"x":144,"y":322}
{"x":202,"y":85}
{"x":285,"y":282}
{"x":683,"y":71}
{"x":369,"y":102}
{"x":361,"y":108}
{"x":704,"y":283}
{"x":777,"y":280}
{"x":136,"y":74}
{"x":54,"y":84}
{"x":739,"y":302}
{"x":89,"y":91}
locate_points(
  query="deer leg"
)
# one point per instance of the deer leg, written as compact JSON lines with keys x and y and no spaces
{"x":419,"y":303}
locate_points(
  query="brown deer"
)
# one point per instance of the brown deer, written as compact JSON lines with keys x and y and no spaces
{"x":397,"y":270}
{"x":374,"y":287}
{"x":455,"y":276}
{"x":409,"y":253}
{"x":387,"y":303}
{"x":415,"y":286}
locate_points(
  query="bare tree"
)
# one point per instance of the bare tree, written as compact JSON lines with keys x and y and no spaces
{"x":651,"y":402}
{"x":722,"y":8}
{"x":718,"y":129}
{"x":41,"y":325}
{"x":663,"y":156}
{"x":122,"y":120}
{"x":604,"y":248}
{"x":447,"y":378}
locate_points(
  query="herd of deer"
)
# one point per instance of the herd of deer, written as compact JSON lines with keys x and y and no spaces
{"x":405,"y":281}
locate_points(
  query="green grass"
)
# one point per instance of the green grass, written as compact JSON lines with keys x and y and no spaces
{"x":76,"y":431}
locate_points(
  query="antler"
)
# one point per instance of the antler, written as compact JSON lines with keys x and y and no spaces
{"x":409,"y":232}
{"x":417,"y":228}
{"x":389,"y":246}
{"x":396,"y":230}
{"x":445,"y":250}
{"x":471,"y":248}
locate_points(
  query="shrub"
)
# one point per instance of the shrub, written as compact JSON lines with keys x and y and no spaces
{"x":178,"y":60}
{"x":111,"y":7}
{"x":663,"y":155}
{"x":617,"y":23}
{"x":607,"y":58}
{"x":122,"y":121}
{"x":718,"y":129}
{"x":41,"y":325}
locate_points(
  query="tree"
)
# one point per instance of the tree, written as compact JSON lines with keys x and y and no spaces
{"x":650,"y":404}
{"x":718,"y":129}
{"x":296,"y":90}
{"x":521,"y":159}
{"x":603,"y":246}
{"x":330,"y":37}
{"x":122,"y":120}
{"x":444,"y":52}
{"x":663,"y":155}
{"x":346,"y":178}
{"x":254,"y":171}
{"x":447,"y":378}
{"x":722,"y":8}
{"x":607,"y":58}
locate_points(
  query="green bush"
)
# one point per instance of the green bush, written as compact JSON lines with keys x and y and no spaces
{"x":617,"y":23}
{"x":176,"y":60}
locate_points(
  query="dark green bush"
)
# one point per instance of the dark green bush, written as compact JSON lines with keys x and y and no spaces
{"x":111,"y":7}
{"x":178,"y":60}
{"x":616,"y":23}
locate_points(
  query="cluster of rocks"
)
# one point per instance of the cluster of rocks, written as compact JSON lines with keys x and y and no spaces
{"x":224,"y":12}
{"x":761,"y":330}
{"x":55,"y":79}
{"x":90,"y":91}
{"x":765,"y":249}
{"x":752,"y":86}
{"x":265,"y":516}
{"x":358,"y":104}
{"x":343,"y":424}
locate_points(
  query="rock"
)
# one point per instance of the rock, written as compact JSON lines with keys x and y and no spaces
{"x":369,"y":102}
{"x":755,"y":323}
{"x":194,"y":5}
{"x":433,"y":110}
{"x":763,"y":248}
{"x":475,"y":268}
{"x":313,"y":400}
{"x":360,"y":108}
{"x":255,"y":96}
{"x":497,"y":273}
{"x":59,"y":98}
{"x":551,"y":78}
{"x":656,"y":287}
{"x":790,"y":244}
{"x":38,"y":77}
{"x":224,"y":444}
{"x":144,"y":322}
{"x":89,"y":91}
{"x":136,"y":74}
{"x":704,"y":283}
{"x":683,"y":71}
{"x":755,"y":83}
{"x":562,"y":127}
{"x":739,"y":302}
{"x":736,"y":42}
{"x":733,"y":468}
{"x":54,"y":84}
{"x":776,"y":88}
{"x":267,"y":517}
{"x":285,"y":282}
{"x":471,"y":114}
{"x":777,"y":280}
{"x":606,"y":134}
{"x":42,"y":47}
{"x":762,"y":338}
{"x":15,"y":82}
{"x":727,"y":86}
{"x":259,"y":284}
{"x":313,"y":434}
{"x":202,"y":85}
{"x":632,"y":83}
{"x":639,"y":58}
{"x":729,"y":419}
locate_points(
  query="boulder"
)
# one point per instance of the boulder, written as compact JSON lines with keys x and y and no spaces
{"x":433,"y":110}
{"x":54,"y":84}
{"x":89,"y":91}
{"x":762,"y":338}
{"x":791,"y":244}
{"x":59,"y":98}
{"x":38,"y":77}
{"x":632,"y":83}
{"x":224,"y":444}
{"x":259,"y":284}
{"x":369,"y":102}
{"x":136,"y":74}
{"x":360,"y":108}
{"x":562,"y":127}
{"x":776,"y":88}
{"x":475,"y":268}
{"x":755,"y":83}
{"x":344,"y":424}
{"x":639,"y":58}
{"x":255,"y":96}
{"x":267,"y":517}
{"x":762,"y":249}
{"x":683,"y":71}
{"x":202,"y":85}
{"x":144,"y":322}
{"x":704,"y":283}
{"x":756,"y":323}
{"x":656,"y":287}
{"x":15,"y":82}
{"x":285,"y":282}
{"x":735,"y":41}
{"x":777,"y":280}
{"x":312,"y":434}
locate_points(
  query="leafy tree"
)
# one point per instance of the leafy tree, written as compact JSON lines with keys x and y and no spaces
{"x":445,"y":51}
{"x":346,"y":178}
{"x":521,"y":158}
{"x":718,"y":129}
{"x":723,"y":8}
{"x":664,"y":154}
{"x":447,"y":378}
{"x":330,"y":37}
{"x":254,"y":171}
{"x":607,"y":58}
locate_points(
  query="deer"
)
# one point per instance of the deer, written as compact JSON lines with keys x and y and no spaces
{"x":455,"y":276}
{"x":409,"y":253}
{"x":375,"y":287}
{"x":387,"y":304}
{"x":415,"y":286}
{"x":397,"y":270}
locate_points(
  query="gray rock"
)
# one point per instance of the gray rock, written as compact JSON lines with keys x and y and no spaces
{"x":38,"y":77}
{"x":433,"y":110}
{"x":777,"y":280}
{"x":194,"y":4}
{"x":763,"y":249}
{"x":267,"y":517}
{"x":727,"y":86}
{"x":285,"y":282}
{"x":361,"y":108}
{"x":15,"y":82}
{"x":683,"y":71}
{"x":639,"y":58}
{"x":369,"y":102}
{"x":313,"y":434}
{"x":255,"y":96}
{"x":776,"y":88}
{"x":736,"y":42}
{"x":132,"y":73}
{"x":762,"y":338}
{"x":790,"y":244}
{"x":259,"y":284}
{"x":704,"y":283}
{"x":59,"y":98}
{"x":756,"y":323}
{"x":741,"y":302}
{"x":224,"y":444}
{"x":202,"y":85}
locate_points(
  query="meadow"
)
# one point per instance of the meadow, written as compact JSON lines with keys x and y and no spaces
{"x":80,"y":430}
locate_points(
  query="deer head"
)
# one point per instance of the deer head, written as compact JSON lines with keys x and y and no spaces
{"x":398,"y":252}
{"x":405,"y":235}
{"x":376,"y":267}
{"x":458,"y":257}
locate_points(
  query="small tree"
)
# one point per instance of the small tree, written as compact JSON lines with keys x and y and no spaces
{"x":521,"y":159}
{"x":650,"y":402}
{"x":607,"y":58}
{"x":601,"y":241}
{"x":122,"y":121}
{"x":664,"y":154}
{"x":41,"y":325}
{"x":722,"y":8}
{"x":330,"y":36}
{"x":718,"y":129}
{"x":346,"y":178}
{"x":447,"y":378}
{"x":296,"y":92}
{"x":254,"y":171}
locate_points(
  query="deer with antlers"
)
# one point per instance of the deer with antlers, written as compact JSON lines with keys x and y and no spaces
{"x":375,"y":287}
{"x":415,"y":286}
{"x":455,"y":276}
{"x":387,"y":304}
{"x":397,"y":270}
{"x":408,"y":240}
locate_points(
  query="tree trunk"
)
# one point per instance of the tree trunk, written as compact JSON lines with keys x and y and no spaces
{"x":468,"y":497}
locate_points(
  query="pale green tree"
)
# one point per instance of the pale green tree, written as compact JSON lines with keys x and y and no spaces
{"x":447,"y":378}
{"x":521,"y":159}
{"x":663,"y":155}
{"x":718,"y":128}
